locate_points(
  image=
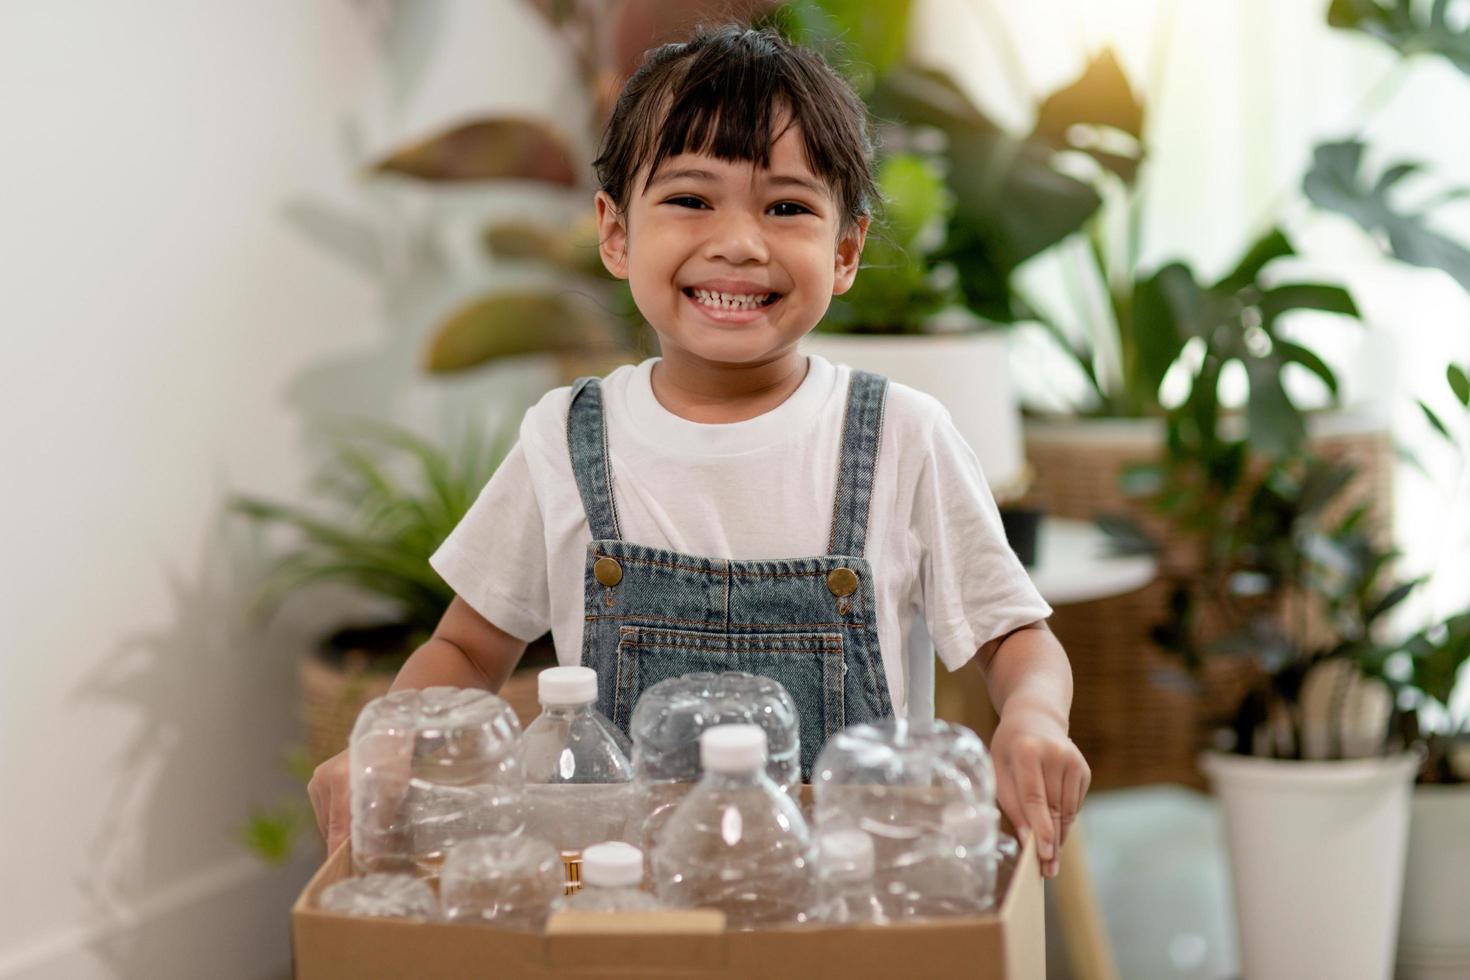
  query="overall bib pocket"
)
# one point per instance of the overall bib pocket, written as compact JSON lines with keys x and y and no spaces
{"x":809,"y":665}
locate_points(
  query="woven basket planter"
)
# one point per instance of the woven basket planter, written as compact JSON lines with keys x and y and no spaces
{"x":333,"y":694}
{"x":1132,"y":729}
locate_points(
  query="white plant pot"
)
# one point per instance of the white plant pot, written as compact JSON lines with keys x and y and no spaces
{"x":1317,"y":862}
{"x":968,"y":372}
{"x":1434,"y":930}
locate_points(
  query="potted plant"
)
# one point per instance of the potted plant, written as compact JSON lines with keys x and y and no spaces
{"x":397,"y":496}
{"x":1434,"y":934}
{"x":1311,"y":769}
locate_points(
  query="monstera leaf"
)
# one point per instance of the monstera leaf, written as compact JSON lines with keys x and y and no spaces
{"x":1335,"y":183}
{"x":1237,"y":318}
{"x":1010,"y":201}
{"x":1406,"y":27}
{"x":1101,"y":99}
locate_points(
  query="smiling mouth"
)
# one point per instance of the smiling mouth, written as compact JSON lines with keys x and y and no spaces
{"x":770,"y":300}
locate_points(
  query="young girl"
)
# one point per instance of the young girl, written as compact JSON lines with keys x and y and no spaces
{"x":735,"y":503}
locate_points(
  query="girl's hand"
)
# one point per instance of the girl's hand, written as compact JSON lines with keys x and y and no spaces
{"x":332,"y":800}
{"x":1041,"y":779}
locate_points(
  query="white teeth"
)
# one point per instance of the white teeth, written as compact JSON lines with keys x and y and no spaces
{"x":728,"y":301}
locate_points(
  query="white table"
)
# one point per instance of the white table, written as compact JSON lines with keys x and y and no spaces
{"x":1073,"y":564}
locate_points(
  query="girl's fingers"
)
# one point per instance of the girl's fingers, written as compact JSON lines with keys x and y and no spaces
{"x":1073,"y":789}
{"x":1031,"y":787}
{"x":1054,"y":775}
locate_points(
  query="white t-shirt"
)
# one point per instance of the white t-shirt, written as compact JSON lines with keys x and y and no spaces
{"x":760,"y":488}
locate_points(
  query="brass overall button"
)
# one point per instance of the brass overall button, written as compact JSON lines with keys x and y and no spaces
{"x":842,"y":581}
{"x":607,"y":571}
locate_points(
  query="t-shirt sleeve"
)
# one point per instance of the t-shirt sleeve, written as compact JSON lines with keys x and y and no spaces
{"x":495,"y":558}
{"x":974,"y":587}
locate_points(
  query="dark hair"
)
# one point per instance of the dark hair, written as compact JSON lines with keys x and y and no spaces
{"x":718,"y":93}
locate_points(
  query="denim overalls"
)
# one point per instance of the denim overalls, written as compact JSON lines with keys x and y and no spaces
{"x":808,"y":623}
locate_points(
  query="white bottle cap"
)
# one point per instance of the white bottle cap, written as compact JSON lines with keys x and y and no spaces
{"x":566,"y":685}
{"x":846,"y":854}
{"x":733,"y":748}
{"x":612,"y":865}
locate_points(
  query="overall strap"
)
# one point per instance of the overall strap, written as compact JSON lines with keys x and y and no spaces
{"x":587,"y":442}
{"x":857,"y":460}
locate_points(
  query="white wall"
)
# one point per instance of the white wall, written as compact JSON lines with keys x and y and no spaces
{"x":166,"y":333}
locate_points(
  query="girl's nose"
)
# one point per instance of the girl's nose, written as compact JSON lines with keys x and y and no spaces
{"x":736,"y":237}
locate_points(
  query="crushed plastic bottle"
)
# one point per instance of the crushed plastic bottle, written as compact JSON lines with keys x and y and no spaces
{"x":429,"y":768}
{"x":579,"y":780}
{"x":510,"y":881}
{"x":381,"y":896}
{"x":611,"y":875}
{"x":671,"y":716}
{"x":737,"y":842}
{"x":844,"y":880}
{"x":925,"y":793}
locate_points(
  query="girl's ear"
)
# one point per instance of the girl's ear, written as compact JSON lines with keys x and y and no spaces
{"x":612,"y":236}
{"x":849,"y":252}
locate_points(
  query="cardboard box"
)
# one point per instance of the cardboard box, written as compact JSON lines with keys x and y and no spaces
{"x":1009,"y":944}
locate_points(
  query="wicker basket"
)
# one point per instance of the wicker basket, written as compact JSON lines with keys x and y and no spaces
{"x":1132,"y":729}
{"x":332,"y":695}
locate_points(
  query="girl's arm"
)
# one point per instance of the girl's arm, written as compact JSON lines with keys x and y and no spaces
{"x":1041,"y":777}
{"x":466,"y":650}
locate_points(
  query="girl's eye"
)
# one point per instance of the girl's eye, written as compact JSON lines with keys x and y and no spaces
{"x":800,"y":209}
{"x":685,"y":200}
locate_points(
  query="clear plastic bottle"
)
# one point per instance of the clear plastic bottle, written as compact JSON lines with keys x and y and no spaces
{"x":611,"y":875}
{"x":510,"y":881}
{"x":428,"y":768}
{"x":925,"y":792}
{"x":579,"y":781}
{"x":671,"y":716}
{"x":737,"y":842}
{"x":844,"y":880}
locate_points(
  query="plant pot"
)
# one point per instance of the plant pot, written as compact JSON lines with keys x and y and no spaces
{"x":1317,"y":855}
{"x":967,"y":372}
{"x":1434,"y":929}
{"x":1022,"y":525}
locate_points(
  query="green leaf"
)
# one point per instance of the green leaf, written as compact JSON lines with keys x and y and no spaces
{"x":1271,"y":246}
{"x":1395,"y":596}
{"x":1276,"y":425}
{"x":1459,"y":383}
{"x":1306,"y":296}
{"x":1168,"y":308}
{"x":1435,"y":421}
{"x":1297,"y":354}
{"x":1100,"y":97}
{"x":509,"y":323}
{"x":488,"y":149}
{"x":1334,"y":183}
{"x":1402,"y":25}
{"x":1011,"y":203}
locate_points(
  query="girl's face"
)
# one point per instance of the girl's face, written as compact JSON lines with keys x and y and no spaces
{"x":731,"y":265}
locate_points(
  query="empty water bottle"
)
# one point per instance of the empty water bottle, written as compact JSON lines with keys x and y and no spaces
{"x":737,"y":842}
{"x":611,"y":875}
{"x":671,"y":716}
{"x":429,"y":768}
{"x":579,"y":781}
{"x":925,"y":793}
{"x":383,"y":895}
{"x":844,"y":879}
{"x":510,"y":881}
